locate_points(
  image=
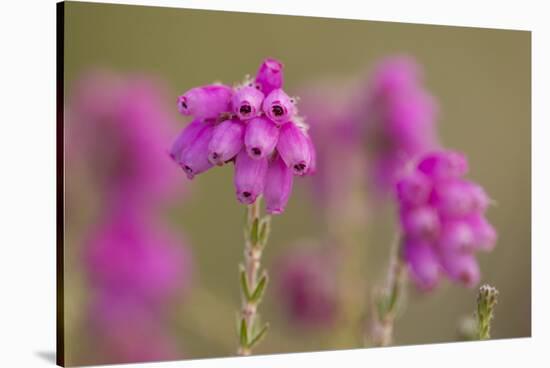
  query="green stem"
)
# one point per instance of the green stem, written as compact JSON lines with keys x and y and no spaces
{"x":387,"y":300}
{"x":253,"y":286}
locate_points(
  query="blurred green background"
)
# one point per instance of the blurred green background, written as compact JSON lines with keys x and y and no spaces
{"x":480,"y":77}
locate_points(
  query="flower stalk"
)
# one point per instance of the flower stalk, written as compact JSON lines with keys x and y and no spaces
{"x":253,"y":286}
{"x":386,"y":301}
{"x":487,"y":299}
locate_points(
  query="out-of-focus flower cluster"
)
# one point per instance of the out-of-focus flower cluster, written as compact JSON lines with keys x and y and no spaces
{"x":135,"y":267}
{"x":443,"y":220}
{"x":306,"y":285}
{"x":256,"y":126}
{"x":398,"y":116}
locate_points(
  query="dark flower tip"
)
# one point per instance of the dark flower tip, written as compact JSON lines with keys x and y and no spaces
{"x":277,"y":110}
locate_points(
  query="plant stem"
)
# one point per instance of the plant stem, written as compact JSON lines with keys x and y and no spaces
{"x":387,"y":300}
{"x":256,"y":232}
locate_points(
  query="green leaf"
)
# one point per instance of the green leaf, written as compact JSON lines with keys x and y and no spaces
{"x":244,"y":334}
{"x":244,"y":283}
{"x":254,"y":232}
{"x":259,"y":336}
{"x":265,"y":228}
{"x":259,"y":291}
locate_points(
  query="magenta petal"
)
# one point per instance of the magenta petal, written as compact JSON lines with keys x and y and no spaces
{"x":279,"y":107}
{"x":261,"y":137}
{"x":461,"y":267}
{"x":226,"y":142}
{"x":249,"y":178}
{"x":247,"y":102}
{"x":194,"y":160}
{"x":278,"y":186}
{"x":270,"y":75}
{"x":294,"y":148}
{"x":423,"y":264}
{"x":185,"y":138}
{"x":206,"y":102}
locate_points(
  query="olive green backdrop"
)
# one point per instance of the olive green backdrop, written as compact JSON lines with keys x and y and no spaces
{"x":480,"y":77}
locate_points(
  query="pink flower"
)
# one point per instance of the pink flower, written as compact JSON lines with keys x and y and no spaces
{"x":261,"y":137}
{"x":256,"y":133}
{"x":206,"y":102}
{"x":247,"y":102}
{"x":278,"y":186}
{"x":250,"y":176}
{"x":443,"y":220}
{"x":306,"y":286}
{"x":270,"y":76}
{"x":119,"y":128}
{"x":400,"y":123}
{"x":294,"y":148}
{"x":226,"y":142}
{"x":278,"y":107}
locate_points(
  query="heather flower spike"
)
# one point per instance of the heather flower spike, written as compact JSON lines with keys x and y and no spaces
{"x":270,"y":76}
{"x":294,"y":148}
{"x":226,"y":142}
{"x":261,"y":137}
{"x":250,"y":125}
{"x":447,"y":213}
{"x":247,"y":102}
{"x":206,"y":102}
{"x":279,"y":107}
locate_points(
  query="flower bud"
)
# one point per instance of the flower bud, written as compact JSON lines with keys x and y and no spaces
{"x":457,"y":198}
{"x":278,"y":186}
{"x":270,"y":76}
{"x":278,"y":106}
{"x":413,"y":189}
{"x":185,"y":138}
{"x":226,"y":142}
{"x":194,"y":160}
{"x":461,"y":267}
{"x":247,"y":102}
{"x":294,"y":148}
{"x":420,"y":223}
{"x":485,"y":235}
{"x":444,"y":164}
{"x":249,"y":177}
{"x":423,"y":264}
{"x":260,"y":137}
{"x":456,"y":235}
{"x":206,"y":102}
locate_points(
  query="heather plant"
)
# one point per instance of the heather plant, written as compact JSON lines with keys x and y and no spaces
{"x":255,"y":127}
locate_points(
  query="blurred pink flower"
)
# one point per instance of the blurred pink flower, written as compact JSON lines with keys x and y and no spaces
{"x":443,"y":220}
{"x":305,"y":277}
{"x":130,"y":253}
{"x":119,"y":129}
{"x":400,"y":119}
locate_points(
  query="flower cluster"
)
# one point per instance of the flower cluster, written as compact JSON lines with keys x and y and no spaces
{"x":443,"y":220}
{"x":134,"y":266}
{"x":400,"y":123}
{"x":254,"y":125}
{"x":307,"y":288}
